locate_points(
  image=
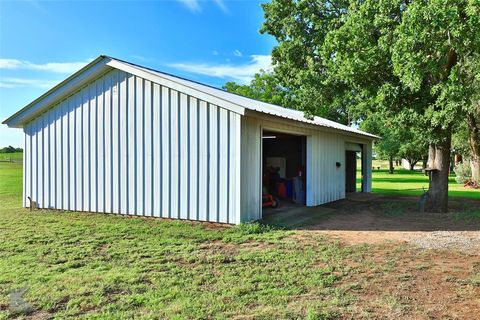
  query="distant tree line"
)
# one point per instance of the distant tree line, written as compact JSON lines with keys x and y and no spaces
{"x":10,"y":149}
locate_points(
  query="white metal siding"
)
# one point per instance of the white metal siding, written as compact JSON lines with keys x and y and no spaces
{"x":251,"y":179}
{"x":123,"y":144}
{"x":325,"y":182}
{"x":367,"y":165}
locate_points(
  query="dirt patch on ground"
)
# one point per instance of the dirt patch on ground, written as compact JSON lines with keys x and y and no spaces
{"x":375,"y":219}
{"x":417,"y":266}
{"x":392,"y":279}
{"x":411,"y":284}
{"x":464,"y":241}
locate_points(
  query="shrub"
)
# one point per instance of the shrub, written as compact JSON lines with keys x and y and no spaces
{"x":463,"y":172}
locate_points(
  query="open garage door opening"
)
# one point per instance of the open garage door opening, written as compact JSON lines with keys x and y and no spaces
{"x":283,"y":168}
{"x":354,"y":168}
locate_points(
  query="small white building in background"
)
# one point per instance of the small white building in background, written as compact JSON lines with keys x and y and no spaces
{"x":120,"y":138}
{"x":405,"y":164}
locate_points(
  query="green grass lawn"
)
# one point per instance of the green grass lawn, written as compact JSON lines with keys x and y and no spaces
{"x":98,"y":266}
{"x":404,"y":182}
{"x":16,"y":156}
{"x":411,"y":183}
{"x":106,"y":266}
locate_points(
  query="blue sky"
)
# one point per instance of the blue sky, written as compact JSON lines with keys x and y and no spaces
{"x":41,"y":43}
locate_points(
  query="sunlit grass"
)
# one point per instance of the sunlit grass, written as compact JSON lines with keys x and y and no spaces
{"x":16,"y":156}
{"x":410,"y":183}
{"x":100,"y":266}
{"x":73,"y":265}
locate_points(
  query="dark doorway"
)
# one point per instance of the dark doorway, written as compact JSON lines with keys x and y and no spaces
{"x":284,"y":164}
{"x":350,"y":171}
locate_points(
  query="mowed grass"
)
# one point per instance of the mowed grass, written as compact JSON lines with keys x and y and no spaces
{"x":15,"y":156}
{"x":414,"y":183}
{"x":79,"y":265}
{"x":411,"y":183}
{"x":112,"y":267}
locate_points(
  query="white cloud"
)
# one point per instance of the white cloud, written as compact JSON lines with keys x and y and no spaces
{"x":57,"y":67}
{"x":242,"y":73}
{"x":24,"y":82}
{"x":138,"y":57}
{"x":215,"y":52}
{"x":221,"y":5}
{"x":192,"y":5}
{"x":237,"y":53}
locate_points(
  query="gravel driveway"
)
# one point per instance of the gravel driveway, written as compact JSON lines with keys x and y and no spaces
{"x":465,"y":241}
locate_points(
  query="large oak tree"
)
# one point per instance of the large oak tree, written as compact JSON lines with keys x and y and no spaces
{"x":399,"y":62}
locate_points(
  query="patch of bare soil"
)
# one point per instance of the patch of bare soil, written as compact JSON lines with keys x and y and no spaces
{"x":373,"y":219}
{"x":406,"y":283}
{"x":417,"y":265}
{"x":463,"y":241}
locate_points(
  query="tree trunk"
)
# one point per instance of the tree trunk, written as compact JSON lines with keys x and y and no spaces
{"x":474,"y":141}
{"x":412,"y":165}
{"x":390,"y":165}
{"x":458,"y":159}
{"x":475,"y":165}
{"x":439,"y":162}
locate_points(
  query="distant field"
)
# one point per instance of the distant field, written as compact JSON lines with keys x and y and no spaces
{"x":16,"y":156}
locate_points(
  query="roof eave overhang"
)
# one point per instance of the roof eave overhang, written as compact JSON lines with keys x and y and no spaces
{"x":59,"y":92}
{"x":314,"y":126}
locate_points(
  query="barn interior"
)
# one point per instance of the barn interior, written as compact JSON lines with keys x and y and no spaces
{"x":284,"y":165}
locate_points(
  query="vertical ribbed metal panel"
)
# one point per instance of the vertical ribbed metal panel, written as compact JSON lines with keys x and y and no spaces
{"x":123,"y":144}
{"x":193,"y":165}
{"x":184,"y":154}
{"x":26,"y":165}
{"x":148,"y":154}
{"x":34,"y":165}
{"x":157,"y":150}
{"x":203,"y":161}
{"x":92,"y":146}
{"x":367,"y":166}
{"x":251,"y":161}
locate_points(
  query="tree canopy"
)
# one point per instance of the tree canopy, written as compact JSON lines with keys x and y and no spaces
{"x":264,"y":87}
{"x":406,"y":70}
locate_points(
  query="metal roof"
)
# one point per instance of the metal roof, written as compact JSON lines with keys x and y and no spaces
{"x":218,"y":94}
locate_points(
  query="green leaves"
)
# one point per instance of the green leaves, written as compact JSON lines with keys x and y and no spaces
{"x":380,"y":64}
{"x":264,"y":87}
{"x":300,"y":27}
{"x":396,"y":61}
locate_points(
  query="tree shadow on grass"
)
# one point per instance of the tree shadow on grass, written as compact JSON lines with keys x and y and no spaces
{"x":370,"y":212}
{"x":416,"y":192}
{"x":397,"y":180}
